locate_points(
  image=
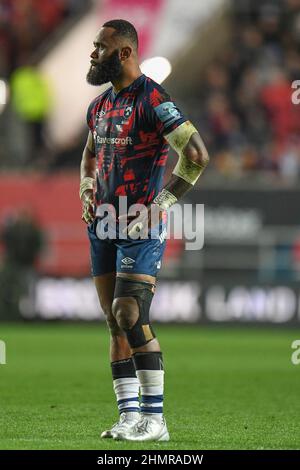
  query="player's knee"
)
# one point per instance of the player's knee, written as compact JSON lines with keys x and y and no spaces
{"x":131,"y":309}
{"x":113,"y":326}
{"x":110,"y":319}
{"x":126,"y":312}
{"x":106,"y":307}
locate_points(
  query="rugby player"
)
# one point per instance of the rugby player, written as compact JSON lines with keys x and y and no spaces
{"x":131,"y":126}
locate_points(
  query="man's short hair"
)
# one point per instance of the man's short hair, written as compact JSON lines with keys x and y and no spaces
{"x":125,"y":29}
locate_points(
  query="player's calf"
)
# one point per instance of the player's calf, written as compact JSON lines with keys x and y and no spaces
{"x":125,"y":382}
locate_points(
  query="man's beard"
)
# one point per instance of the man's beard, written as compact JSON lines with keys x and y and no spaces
{"x":110,"y":69}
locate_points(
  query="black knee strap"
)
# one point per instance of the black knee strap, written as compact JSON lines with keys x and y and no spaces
{"x":141,"y":333}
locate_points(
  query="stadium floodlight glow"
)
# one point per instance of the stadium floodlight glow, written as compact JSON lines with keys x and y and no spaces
{"x":157,"y":68}
{"x":3,"y":94}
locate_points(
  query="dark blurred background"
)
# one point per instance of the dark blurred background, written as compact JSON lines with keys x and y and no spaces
{"x":231,"y":68}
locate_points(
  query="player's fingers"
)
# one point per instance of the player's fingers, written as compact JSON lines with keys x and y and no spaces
{"x":134,"y":229}
{"x":88,"y":202}
{"x":85,"y":218}
{"x":125,"y":218}
{"x":91,"y":212}
{"x":88,"y":214}
{"x":125,"y":230}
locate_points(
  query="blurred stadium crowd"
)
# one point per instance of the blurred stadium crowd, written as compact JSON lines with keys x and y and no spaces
{"x":25,"y":24}
{"x":244,"y":106}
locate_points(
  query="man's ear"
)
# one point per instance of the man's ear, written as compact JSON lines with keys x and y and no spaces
{"x":125,"y":53}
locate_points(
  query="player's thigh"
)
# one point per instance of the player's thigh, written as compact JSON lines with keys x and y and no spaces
{"x":137,"y":262}
{"x":103,"y":253}
{"x":105,"y":285}
{"x":103,"y":267}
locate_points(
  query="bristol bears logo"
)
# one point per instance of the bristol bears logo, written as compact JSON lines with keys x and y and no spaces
{"x":100,"y":114}
{"x":128,"y":111}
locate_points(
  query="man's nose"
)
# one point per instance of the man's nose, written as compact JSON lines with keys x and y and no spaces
{"x":94,"y":55}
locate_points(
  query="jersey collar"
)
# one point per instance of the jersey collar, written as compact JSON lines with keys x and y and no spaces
{"x":133,"y":86}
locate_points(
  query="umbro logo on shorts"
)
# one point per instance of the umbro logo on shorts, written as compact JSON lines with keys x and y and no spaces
{"x":128,"y":261}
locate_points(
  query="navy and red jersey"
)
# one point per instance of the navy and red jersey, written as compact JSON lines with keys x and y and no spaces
{"x":128,"y":130}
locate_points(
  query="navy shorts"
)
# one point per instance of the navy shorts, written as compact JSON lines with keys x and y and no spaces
{"x":125,"y":256}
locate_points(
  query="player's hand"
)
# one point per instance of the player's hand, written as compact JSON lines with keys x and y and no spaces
{"x":139,"y":225}
{"x":88,"y":213}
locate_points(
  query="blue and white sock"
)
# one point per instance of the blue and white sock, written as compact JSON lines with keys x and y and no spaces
{"x":149,"y":370}
{"x":126,"y":386}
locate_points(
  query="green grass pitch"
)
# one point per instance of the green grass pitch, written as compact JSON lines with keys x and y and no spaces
{"x":225,"y":388}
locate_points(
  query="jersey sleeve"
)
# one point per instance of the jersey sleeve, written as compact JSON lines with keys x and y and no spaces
{"x":90,"y":115}
{"x":162,"y":110}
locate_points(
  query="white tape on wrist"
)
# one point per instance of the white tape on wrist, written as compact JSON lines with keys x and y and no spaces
{"x":86,"y":183}
{"x":165,"y":199}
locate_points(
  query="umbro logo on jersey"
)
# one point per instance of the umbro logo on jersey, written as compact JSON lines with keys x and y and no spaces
{"x":128,"y":261}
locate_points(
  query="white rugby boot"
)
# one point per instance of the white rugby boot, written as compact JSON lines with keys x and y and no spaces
{"x":126,"y":422}
{"x":149,"y":428}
